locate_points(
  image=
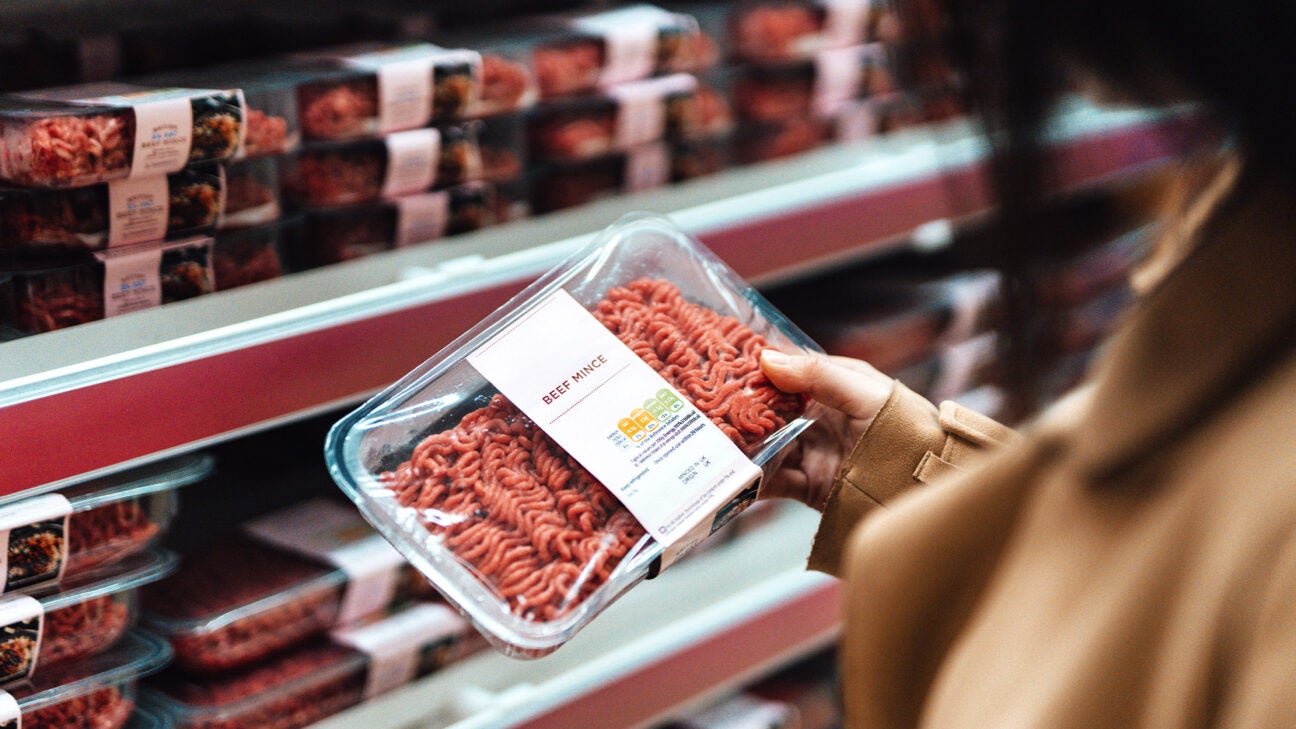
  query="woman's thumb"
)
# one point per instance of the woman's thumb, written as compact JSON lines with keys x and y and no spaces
{"x":849,"y":385}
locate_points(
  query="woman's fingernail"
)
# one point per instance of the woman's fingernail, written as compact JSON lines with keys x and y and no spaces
{"x":774,"y":357}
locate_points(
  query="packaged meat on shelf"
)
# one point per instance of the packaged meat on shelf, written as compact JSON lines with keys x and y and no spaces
{"x":251,"y":192}
{"x":269,"y":92}
{"x":303,"y":685}
{"x":762,"y":141}
{"x":559,"y":185}
{"x":578,"y":53}
{"x":78,"y":135}
{"x":533,"y":562}
{"x":385,"y":88}
{"x":63,"y":291}
{"x":83,"y":616}
{"x":780,"y":30}
{"x":336,"y":234}
{"x":401,"y":163}
{"x":625,"y":116}
{"x":503,"y":143}
{"x":117,"y":213}
{"x":98,"y":692}
{"x":821,"y":85}
{"x":508,"y":83}
{"x":58,"y":535}
{"x":245,"y":256}
{"x":287,"y":577}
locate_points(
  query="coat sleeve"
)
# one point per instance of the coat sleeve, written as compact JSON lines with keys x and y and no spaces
{"x":909,"y":442}
{"x":1261,"y":686}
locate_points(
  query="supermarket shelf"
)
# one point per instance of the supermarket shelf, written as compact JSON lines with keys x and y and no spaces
{"x":705,"y":627}
{"x":115,"y":393}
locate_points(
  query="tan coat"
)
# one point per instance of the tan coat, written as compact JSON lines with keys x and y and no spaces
{"x":1130,"y":561}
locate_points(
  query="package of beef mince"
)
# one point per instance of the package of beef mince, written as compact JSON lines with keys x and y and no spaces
{"x":57,"y":292}
{"x":77,"y":135}
{"x":401,"y":163}
{"x":85,"y":615}
{"x":577,"y":53}
{"x":387,"y":88}
{"x":564,"y":184}
{"x":99,"y":691}
{"x":579,"y":439}
{"x":109,"y":214}
{"x":762,"y":31}
{"x":336,"y":234}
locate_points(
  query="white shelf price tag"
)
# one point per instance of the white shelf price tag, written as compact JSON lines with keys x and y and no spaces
{"x":665,"y":460}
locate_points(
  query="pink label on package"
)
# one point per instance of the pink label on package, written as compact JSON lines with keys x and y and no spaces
{"x":138,"y":210}
{"x":412,"y":159}
{"x":647,"y":167}
{"x":856,"y":121}
{"x":399,"y":644}
{"x":844,"y":21}
{"x":630,"y":36}
{"x":641,"y":108}
{"x":839,"y":74}
{"x":131,"y":280}
{"x":404,"y":84}
{"x":421,"y":218}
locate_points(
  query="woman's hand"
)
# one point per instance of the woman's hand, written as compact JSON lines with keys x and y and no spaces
{"x":853,"y":392}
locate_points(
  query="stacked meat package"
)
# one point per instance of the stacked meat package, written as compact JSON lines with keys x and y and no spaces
{"x":113,"y":192}
{"x":301,"y":614}
{"x":74,"y":563}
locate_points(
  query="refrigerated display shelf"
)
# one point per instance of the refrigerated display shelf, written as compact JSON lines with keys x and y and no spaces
{"x":107,"y":395}
{"x":704,"y":628}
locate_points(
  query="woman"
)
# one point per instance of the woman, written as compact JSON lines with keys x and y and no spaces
{"x":1128,"y":560}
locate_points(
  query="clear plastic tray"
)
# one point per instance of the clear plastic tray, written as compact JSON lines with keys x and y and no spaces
{"x":237,"y":602}
{"x":89,"y":613}
{"x":292,"y":689}
{"x":52,"y":220}
{"x":563,"y":553}
{"x":820,"y":86}
{"x":346,"y":173}
{"x":99,"y":691}
{"x":116,"y":516}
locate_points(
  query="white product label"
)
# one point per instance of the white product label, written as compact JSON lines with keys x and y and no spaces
{"x":839,"y":75}
{"x":421,"y":218}
{"x":10,"y":714}
{"x":665,"y":460}
{"x":404,"y":646}
{"x":746,"y":712}
{"x":21,"y":617}
{"x":404,"y":84}
{"x":844,"y":21}
{"x":630,"y":36}
{"x":163,"y":133}
{"x":412,"y":159}
{"x":33,"y":536}
{"x":641,"y":108}
{"x":138,"y":210}
{"x":337,"y":534}
{"x":856,"y":121}
{"x":647,"y":167}
{"x":961,"y":363}
{"x":131,"y":280}
{"x":969,"y":297}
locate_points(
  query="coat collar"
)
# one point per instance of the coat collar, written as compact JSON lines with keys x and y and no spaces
{"x":1203,"y":332}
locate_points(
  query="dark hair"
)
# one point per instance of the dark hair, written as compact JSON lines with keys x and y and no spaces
{"x":1017,"y":58}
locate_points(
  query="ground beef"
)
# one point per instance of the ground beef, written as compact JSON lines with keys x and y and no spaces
{"x":72,"y":150}
{"x":83,"y":629}
{"x":58,"y":300}
{"x":568,"y":69}
{"x":105,"y":708}
{"x":266,"y":134}
{"x":108,"y":533}
{"x":505,"y":83}
{"x":338,"y":110}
